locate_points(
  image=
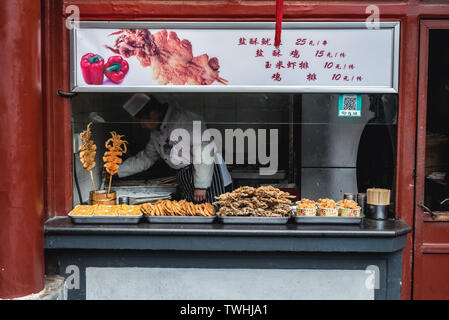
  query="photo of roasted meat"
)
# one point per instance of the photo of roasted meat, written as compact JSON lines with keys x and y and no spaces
{"x":116,"y":147}
{"x":170,"y":58}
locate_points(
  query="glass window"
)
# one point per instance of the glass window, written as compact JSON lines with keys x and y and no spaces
{"x":298,"y":139}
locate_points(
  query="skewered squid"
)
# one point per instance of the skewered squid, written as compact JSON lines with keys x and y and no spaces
{"x":116,"y":147}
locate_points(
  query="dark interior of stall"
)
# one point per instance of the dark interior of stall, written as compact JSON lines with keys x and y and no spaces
{"x":319,"y":153}
{"x":437,"y":133}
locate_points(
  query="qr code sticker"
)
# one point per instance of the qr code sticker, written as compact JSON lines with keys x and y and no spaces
{"x":350,"y":103}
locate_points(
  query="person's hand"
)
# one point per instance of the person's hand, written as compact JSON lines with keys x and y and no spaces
{"x":199,"y":195}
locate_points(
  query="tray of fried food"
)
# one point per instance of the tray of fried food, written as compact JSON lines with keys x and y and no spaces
{"x":330,"y":212}
{"x":348,"y":208}
{"x":82,"y":211}
{"x":129,"y":210}
{"x":106,"y":214}
{"x":248,"y":205}
{"x":306,"y":207}
{"x":172,"y":211}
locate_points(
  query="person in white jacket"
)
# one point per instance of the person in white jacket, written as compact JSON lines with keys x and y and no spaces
{"x":198,"y":182}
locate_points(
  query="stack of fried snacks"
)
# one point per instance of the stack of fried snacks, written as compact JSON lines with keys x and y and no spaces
{"x":105,"y":210}
{"x":348,"y":204}
{"x":266,"y":201}
{"x":116,"y":147}
{"x":306,"y":204}
{"x":326,"y":203}
{"x":81,"y":210}
{"x":177,"y":208}
{"x":127,"y":210}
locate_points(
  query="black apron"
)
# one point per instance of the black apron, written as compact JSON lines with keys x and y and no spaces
{"x":185,"y":180}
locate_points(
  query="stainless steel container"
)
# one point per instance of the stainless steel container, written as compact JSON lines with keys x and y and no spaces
{"x":349,"y":196}
{"x":123,"y":200}
{"x":377,"y":212}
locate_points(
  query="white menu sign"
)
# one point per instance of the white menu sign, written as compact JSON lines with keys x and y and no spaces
{"x":234,"y":57}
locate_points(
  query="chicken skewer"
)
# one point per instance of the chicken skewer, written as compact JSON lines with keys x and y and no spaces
{"x":88,"y":151}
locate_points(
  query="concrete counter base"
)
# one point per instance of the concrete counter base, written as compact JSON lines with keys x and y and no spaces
{"x":148,"y":261}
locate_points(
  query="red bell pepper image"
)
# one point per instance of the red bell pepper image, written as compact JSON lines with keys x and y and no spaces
{"x":116,"y":69}
{"x":92,"y":66}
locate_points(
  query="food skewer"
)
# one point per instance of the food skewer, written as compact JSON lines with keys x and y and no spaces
{"x":110,"y":180}
{"x":87,"y":152}
{"x":116,"y":147}
{"x":177,"y":208}
{"x":92,"y":179}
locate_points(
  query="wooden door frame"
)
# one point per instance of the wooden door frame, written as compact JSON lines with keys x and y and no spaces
{"x":57,"y":114}
{"x":419,"y":247}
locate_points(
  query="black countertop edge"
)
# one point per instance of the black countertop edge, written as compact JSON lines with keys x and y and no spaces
{"x":368,"y":228}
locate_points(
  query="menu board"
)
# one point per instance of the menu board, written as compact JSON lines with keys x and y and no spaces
{"x":234,"y":57}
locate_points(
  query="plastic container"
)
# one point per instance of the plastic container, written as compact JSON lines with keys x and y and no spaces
{"x":306,"y":212}
{"x":344,"y":212}
{"x":328,"y":212}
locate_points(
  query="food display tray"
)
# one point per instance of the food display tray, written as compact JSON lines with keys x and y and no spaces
{"x":105,"y":219}
{"x":253,"y":220}
{"x":327,"y":220}
{"x":180,"y":219}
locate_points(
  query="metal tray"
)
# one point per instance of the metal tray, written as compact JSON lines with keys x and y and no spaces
{"x":253,"y":220}
{"x":180,"y":219}
{"x":105,"y":219}
{"x":137,"y":201}
{"x":327,"y":220}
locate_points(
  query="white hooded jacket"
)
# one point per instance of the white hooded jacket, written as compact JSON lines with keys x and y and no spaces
{"x":161,"y":145}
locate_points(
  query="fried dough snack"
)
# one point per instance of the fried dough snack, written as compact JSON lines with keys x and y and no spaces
{"x":264,"y":201}
{"x":106,"y":210}
{"x":348,"y":204}
{"x":128,"y":210}
{"x":177,"y":208}
{"x":88,"y":149}
{"x":116,"y":147}
{"x":306,"y":204}
{"x":326,"y":203}
{"x":81,"y":210}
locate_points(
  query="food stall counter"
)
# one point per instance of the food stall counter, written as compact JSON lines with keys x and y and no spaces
{"x":193,"y":248}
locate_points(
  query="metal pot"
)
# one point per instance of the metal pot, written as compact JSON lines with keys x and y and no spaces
{"x":377,"y":212}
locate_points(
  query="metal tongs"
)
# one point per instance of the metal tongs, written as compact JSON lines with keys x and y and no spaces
{"x":426,"y":209}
